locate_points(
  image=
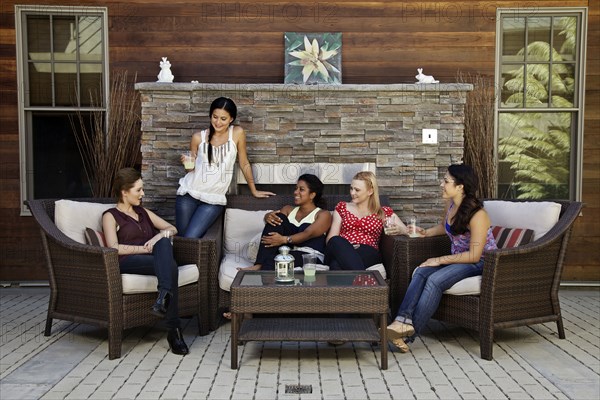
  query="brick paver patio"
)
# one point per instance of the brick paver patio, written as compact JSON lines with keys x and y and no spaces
{"x":529,"y":362}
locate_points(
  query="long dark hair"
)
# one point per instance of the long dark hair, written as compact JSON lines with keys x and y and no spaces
{"x":221,"y":103}
{"x":314,"y":186}
{"x":125,"y":179}
{"x":464,"y":175}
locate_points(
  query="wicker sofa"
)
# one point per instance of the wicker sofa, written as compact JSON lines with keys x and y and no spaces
{"x":213,"y":241}
{"x":86,"y":284}
{"x":519,"y":285}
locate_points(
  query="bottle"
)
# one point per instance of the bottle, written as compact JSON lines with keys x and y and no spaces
{"x":284,"y":265}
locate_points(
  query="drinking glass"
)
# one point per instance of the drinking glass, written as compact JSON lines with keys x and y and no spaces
{"x":412,"y":226}
{"x":188,"y":160}
{"x":168,"y":234}
{"x":309,"y":264}
{"x":387,"y":224}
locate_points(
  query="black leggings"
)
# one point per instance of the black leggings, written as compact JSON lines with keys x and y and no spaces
{"x":340,"y":254}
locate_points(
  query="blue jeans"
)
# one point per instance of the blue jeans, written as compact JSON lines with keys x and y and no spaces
{"x":426,"y":288}
{"x":193,"y":217}
{"x":161,"y":264}
{"x":341,"y":254}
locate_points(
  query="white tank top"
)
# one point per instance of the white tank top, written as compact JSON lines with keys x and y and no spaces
{"x":309,"y":219}
{"x":209,"y":183}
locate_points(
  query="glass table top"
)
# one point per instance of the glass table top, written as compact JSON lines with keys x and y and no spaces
{"x":320,"y":279}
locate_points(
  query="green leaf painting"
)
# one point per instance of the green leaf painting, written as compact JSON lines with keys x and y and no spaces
{"x":313,"y":58}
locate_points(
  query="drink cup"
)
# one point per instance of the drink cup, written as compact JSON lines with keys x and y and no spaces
{"x":412,"y":226}
{"x":309,"y":264}
{"x":188,"y":160}
{"x":168,"y":234}
{"x":387,"y":224}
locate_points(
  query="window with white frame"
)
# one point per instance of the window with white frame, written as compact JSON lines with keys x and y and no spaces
{"x":62,"y":73}
{"x":540,"y":81}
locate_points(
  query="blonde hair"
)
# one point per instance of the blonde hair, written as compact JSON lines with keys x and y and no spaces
{"x":371,"y":182}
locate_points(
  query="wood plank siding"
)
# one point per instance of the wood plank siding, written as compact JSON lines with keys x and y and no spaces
{"x":241,"y":41}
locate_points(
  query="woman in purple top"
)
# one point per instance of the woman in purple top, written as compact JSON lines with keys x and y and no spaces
{"x":138,"y":235}
{"x":468,"y":226}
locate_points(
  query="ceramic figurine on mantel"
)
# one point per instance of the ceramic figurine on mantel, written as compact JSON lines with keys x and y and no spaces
{"x":425,"y":78}
{"x":165,"y":74}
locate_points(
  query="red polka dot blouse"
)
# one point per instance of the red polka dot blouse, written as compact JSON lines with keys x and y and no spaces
{"x":365,"y":230}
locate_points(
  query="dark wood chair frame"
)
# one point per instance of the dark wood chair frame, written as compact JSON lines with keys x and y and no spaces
{"x":85,"y":281}
{"x":519,"y":285}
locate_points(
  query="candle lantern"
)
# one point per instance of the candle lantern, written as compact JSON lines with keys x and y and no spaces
{"x":284,"y":265}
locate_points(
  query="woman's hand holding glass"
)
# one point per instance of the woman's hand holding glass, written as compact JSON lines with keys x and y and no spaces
{"x":188,"y":160}
{"x":392,"y":225}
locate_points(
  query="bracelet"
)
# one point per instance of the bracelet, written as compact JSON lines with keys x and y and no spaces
{"x":289,"y":240}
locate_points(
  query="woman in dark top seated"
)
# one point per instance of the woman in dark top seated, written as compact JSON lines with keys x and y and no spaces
{"x":302,"y":226}
{"x":137,"y":233}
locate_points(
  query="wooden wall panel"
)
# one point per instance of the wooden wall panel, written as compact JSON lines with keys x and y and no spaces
{"x":241,"y":41}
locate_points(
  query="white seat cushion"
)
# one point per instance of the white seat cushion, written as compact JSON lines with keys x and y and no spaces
{"x":228,"y":269}
{"x":72,"y":217}
{"x":134,"y":283}
{"x":378,"y":267}
{"x":467,"y":286}
{"x":241,"y":238}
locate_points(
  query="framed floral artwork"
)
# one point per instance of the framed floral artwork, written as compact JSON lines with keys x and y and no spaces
{"x":313,"y":58}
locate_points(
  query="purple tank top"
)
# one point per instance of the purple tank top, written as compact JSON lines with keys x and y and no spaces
{"x":460,"y":243}
{"x":131,"y":231}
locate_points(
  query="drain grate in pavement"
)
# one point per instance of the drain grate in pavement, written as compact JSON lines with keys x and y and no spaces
{"x":298,"y":389}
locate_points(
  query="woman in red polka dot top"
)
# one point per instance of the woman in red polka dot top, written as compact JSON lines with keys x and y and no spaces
{"x":353,"y":240}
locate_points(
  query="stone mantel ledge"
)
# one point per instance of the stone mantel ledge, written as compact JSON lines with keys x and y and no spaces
{"x":280,"y":87}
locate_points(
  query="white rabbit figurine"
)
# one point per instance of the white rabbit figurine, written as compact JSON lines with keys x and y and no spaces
{"x":425,"y":78}
{"x":165,"y":74}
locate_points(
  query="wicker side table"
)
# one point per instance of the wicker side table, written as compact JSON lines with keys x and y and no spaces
{"x":332,"y":292}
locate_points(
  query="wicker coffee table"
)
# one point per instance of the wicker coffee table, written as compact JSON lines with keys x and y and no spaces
{"x":331,"y":292}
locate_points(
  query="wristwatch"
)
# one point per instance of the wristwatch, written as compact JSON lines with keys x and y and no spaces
{"x":289,"y":240}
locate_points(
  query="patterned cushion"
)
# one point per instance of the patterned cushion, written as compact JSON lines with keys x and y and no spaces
{"x":511,"y":237}
{"x":94,"y":238}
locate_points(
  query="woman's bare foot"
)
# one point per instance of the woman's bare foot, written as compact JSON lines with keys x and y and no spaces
{"x":255,"y":267}
{"x":227,"y":315}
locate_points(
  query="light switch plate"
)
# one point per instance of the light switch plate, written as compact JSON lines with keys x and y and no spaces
{"x":429,"y":136}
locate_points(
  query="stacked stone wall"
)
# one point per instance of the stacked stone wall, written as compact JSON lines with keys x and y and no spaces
{"x":380,"y":124}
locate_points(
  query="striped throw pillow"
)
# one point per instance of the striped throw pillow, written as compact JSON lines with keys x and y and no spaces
{"x":511,"y":237}
{"x":94,"y":238}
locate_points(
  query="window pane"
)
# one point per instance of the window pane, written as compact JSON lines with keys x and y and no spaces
{"x":565,"y":37}
{"x":40,"y":84}
{"x":534,"y":151}
{"x":66,"y":85}
{"x":563,"y":85}
{"x":91,"y":85}
{"x":90,"y":38}
{"x":512,"y":86}
{"x":57,"y":166}
{"x":65,"y":46}
{"x":513,"y":39}
{"x":536,"y":85}
{"x":538,"y":39}
{"x":38,"y":35}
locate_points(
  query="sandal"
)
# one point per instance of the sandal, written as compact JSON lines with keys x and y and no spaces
{"x":400,"y":345}
{"x":400,"y":330}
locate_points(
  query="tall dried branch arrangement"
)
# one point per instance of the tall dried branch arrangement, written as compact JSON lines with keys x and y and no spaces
{"x":479,"y":131}
{"x":109,"y":141}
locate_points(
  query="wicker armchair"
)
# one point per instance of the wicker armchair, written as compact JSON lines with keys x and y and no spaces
{"x":85,"y":282}
{"x":220,"y":299}
{"x":519,"y":285}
